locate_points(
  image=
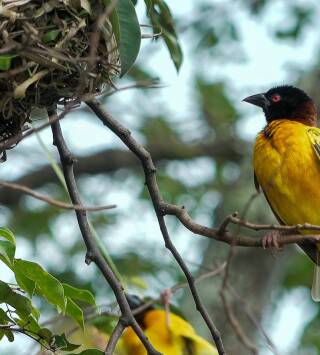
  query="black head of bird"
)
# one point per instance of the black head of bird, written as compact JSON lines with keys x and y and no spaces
{"x":136,"y":302}
{"x":286,"y":102}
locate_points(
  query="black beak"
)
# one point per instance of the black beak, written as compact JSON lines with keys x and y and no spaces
{"x":258,"y":100}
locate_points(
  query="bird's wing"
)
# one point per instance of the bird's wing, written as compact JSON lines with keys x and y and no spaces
{"x":314,"y":136}
{"x":180,"y":327}
{"x":259,"y":188}
{"x":308,"y":247}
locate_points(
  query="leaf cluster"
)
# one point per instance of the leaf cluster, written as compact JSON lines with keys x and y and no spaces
{"x":19,"y":315}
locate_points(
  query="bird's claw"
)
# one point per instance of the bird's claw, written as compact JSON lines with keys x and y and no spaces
{"x":165,"y":296}
{"x":271,"y":240}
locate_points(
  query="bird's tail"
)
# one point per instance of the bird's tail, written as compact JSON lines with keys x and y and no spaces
{"x":315,"y":291}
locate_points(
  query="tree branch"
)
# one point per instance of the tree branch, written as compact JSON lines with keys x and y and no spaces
{"x":222,"y":235}
{"x":237,"y":326}
{"x":93,"y":253}
{"x":51,"y":201}
{"x":115,"y":336}
{"x":149,"y":170}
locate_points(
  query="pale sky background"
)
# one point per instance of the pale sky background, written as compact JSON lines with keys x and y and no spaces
{"x":267,"y":65}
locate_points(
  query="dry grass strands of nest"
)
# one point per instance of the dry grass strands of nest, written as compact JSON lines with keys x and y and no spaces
{"x":46,"y":58}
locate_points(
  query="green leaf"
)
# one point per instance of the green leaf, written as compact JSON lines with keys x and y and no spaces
{"x":75,"y":312}
{"x":90,"y":352}
{"x":21,"y":304}
{"x":7,"y":251}
{"x":61,"y":343}
{"x":162,"y":19}
{"x":24,"y":282}
{"x":47,"y":286}
{"x":9,"y":335}
{"x":8,"y":235}
{"x":149,"y":4}
{"x":103,"y":323}
{"x":174,"y":48}
{"x":5,"y":61}
{"x":30,"y":324}
{"x":50,"y":36}
{"x":7,"y":246}
{"x":79,"y":294}
{"x":130,"y":34}
{"x":4,"y":319}
{"x":45,"y":334}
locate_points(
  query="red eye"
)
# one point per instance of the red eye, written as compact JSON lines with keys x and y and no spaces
{"x":275,"y":98}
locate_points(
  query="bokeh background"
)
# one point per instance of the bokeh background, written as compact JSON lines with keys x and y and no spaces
{"x":200,"y":135}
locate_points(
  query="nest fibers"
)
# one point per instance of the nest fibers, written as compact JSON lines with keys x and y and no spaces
{"x":46,"y":57}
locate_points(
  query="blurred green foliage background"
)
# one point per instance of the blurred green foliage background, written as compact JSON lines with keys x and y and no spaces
{"x":201,"y":142}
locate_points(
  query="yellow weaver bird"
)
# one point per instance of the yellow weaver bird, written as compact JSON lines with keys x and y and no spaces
{"x":168,"y":333}
{"x":286,"y":163}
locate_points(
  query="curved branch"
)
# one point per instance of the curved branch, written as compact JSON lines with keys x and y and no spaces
{"x":93,"y":252}
{"x":222,"y":235}
{"x":115,"y":336}
{"x":149,"y":171}
{"x":60,"y":204}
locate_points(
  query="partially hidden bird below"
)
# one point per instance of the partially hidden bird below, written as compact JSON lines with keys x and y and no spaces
{"x":286,"y":163}
{"x":168,"y":333}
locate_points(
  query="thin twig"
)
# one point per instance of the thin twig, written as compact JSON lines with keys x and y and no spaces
{"x":52,"y":201}
{"x":259,"y":227}
{"x":204,"y":276}
{"x":234,"y":322}
{"x":29,"y":333}
{"x":245,"y":241}
{"x":115,"y":336}
{"x":137,"y":85}
{"x":253,"y":319}
{"x":236,"y":326}
{"x":149,"y":170}
{"x":93,"y":253}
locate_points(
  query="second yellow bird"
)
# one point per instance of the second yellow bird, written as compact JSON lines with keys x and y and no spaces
{"x":168,"y":333}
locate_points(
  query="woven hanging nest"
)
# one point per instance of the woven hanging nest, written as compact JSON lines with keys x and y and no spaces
{"x":47,"y":56}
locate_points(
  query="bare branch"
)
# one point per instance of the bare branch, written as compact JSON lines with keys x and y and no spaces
{"x":149,"y":170}
{"x":241,"y":240}
{"x":258,"y":227}
{"x":204,"y":276}
{"x":252,"y":317}
{"x":52,"y":201}
{"x":237,"y":326}
{"x":93,"y":252}
{"x":115,"y":336}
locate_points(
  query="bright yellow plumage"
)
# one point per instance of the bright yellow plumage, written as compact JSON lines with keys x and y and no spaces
{"x":175,"y":338}
{"x":287,"y":167}
{"x":287,"y":163}
{"x":288,"y":170}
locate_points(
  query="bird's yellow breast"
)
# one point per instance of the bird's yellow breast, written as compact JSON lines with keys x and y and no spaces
{"x":170,"y":335}
{"x":288,"y":171}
